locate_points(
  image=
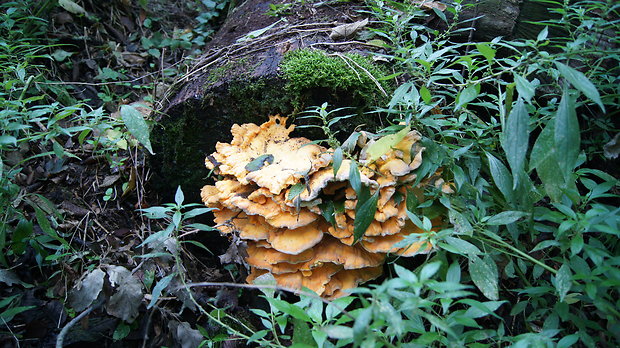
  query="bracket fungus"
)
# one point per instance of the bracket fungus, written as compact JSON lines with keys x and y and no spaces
{"x":274,"y":192}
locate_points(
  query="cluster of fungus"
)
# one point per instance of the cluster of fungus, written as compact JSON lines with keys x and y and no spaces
{"x":272,"y":193}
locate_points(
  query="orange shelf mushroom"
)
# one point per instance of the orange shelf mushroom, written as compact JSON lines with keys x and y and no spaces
{"x":258,"y":198}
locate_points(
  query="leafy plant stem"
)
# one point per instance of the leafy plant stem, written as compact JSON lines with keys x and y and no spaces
{"x":519,"y":252}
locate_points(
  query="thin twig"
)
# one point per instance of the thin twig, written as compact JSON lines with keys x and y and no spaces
{"x":61,"y":336}
{"x":11,"y":331}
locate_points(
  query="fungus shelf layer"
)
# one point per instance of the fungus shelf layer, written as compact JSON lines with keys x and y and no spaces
{"x":271,"y":191}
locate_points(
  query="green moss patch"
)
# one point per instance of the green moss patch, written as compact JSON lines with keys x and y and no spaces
{"x":351,"y":74}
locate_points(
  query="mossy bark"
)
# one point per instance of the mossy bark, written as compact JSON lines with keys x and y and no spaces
{"x":243,"y":81}
{"x":244,"y":84}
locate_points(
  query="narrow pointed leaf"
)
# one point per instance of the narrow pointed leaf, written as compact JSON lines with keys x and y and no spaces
{"x":515,"y":139}
{"x":566,"y":135}
{"x":581,"y":82}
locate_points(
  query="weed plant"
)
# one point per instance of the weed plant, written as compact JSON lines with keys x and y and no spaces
{"x":518,"y":126}
{"x":531,"y":257}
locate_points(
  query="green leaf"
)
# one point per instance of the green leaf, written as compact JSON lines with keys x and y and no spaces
{"x":468,"y":94}
{"x":463,"y":247}
{"x":337,"y":160}
{"x":178,"y":196}
{"x":543,"y":34}
{"x":364,"y":215}
{"x":505,"y":217}
{"x":568,"y":341}
{"x":484,"y":274}
{"x":581,"y":82}
{"x":259,"y":162}
{"x":501,"y":177}
{"x":515,"y":139}
{"x":302,"y":336}
{"x":47,"y":227}
{"x":385,"y":144}
{"x":295,"y":191}
{"x":525,"y":88}
{"x":486,"y":51}
{"x":137,"y":126}
{"x":290,"y":309}
{"x":563,"y":281}
{"x":543,"y":159}
{"x":8,"y":140}
{"x":425,"y":94}
{"x":23,"y":230}
{"x":121,"y":331}
{"x":10,"y":313}
{"x":354,"y":178}
{"x":156,"y":212}
{"x":362,"y":322}
{"x":429,"y":270}
{"x":338,"y":332}
{"x":566,"y":135}
{"x":159,"y":287}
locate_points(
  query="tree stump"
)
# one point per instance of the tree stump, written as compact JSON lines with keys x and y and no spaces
{"x":241,"y":79}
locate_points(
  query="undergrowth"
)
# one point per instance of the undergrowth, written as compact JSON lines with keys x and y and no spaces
{"x":523,"y":130}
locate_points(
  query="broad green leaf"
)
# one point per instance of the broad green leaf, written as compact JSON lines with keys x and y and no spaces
{"x":23,"y":230}
{"x":137,"y":126}
{"x":155,"y":212}
{"x":290,"y":309}
{"x":8,"y":140}
{"x":568,"y":341}
{"x":505,"y":217}
{"x":581,"y":82}
{"x":525,"y":88}
{"x":338,"y":332}
{"x":462,"y":247}
{"x":501,"y":177}
{"x":566,"y":135}
{"x":429,"y":270}
{"x":364,"y":215}
{"x":302,"y":335}
{"x":385,"y":144}
{"x":468,"y":94}
{"x":543,"y":34}
{"x":295,"y":191}
{"x":121,"y":331}
{"x":563,"y":281}
{"x":543,"y":159}
{"x":484,"y":274}
{"x":543,"y":149}
{"x":259,"y":162}
{"x":159,"y":287}
{"x":487,"y":52}
{"x":453,"y":274}
{"x":515,"y":139}
{"x":425,"y":94}
{"x":337,"y":159}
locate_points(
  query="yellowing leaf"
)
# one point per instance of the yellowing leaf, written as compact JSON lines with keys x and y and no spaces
{"x":383,"y":145}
